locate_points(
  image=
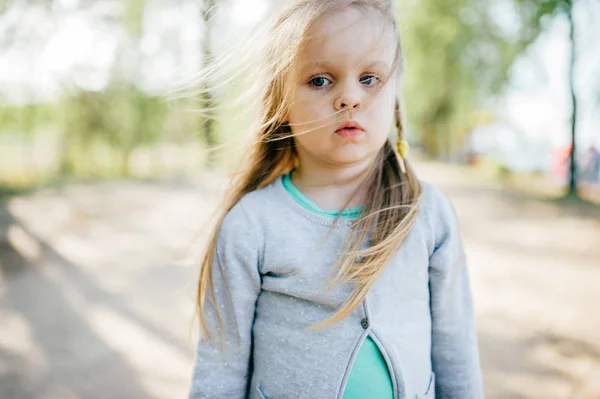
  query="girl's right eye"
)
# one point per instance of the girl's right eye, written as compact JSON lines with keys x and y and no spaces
{"x":319,"y":82}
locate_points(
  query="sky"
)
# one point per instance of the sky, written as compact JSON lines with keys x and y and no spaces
{"x":82,"y":48}
{"x":538,"y":100}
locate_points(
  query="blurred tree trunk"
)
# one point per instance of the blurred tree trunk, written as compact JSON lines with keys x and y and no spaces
{"x":572,"y":62}
{"x":207,"y":125}
{"x":28,"y":125}
{"x":67,"y":164}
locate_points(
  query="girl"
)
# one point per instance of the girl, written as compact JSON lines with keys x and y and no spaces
{"x":333,"y":271}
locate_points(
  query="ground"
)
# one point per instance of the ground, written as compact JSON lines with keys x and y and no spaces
{"x":97,"y":285}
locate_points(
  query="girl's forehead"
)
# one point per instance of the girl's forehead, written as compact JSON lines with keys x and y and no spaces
{"x":351,"y":35}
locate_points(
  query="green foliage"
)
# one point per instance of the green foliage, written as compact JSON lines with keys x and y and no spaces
{"x":459,"y":55}
{"x":133,"y":16}
{"x":122,"y":118}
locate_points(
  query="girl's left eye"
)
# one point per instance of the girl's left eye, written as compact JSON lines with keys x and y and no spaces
{"x":370,"y":80}
{"x":319,"y":82}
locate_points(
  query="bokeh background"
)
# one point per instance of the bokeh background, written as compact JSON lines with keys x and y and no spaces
{"x":106,"y":183}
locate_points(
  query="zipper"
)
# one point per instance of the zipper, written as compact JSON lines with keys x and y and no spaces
{"x":357,"y":347}
{"x":383,"y":351}
{"x":368,"y":332}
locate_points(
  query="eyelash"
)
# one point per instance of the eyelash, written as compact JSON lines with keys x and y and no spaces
{"x":371,"y":76}
{"x":377,"y":78}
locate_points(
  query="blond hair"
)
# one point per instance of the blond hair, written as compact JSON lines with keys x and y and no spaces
{"x":394,"y":195}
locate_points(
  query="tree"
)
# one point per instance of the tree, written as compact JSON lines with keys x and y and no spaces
{"x":460,"y":56}
{"x":568,"y":9}
{"x":208,"y":102}
{"x":546,"y":10}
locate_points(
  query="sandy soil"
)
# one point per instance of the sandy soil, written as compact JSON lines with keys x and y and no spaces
{"x":97,"y":285}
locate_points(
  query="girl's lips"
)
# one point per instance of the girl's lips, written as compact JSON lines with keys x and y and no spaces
{"x":350,"y":129}
{"x":349,"y":132}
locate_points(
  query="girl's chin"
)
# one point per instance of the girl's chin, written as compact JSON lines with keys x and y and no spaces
{"x":350,"y":156}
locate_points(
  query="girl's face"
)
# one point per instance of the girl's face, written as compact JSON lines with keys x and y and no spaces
{"x":344,"y":65}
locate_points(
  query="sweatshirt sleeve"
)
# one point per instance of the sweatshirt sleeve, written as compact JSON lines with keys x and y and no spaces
{"x":222,"y":371}
{"x":455,"y":355}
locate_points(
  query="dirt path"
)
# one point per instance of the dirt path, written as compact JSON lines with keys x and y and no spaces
{"x":97,"y":282}
{"x":535,"y":269}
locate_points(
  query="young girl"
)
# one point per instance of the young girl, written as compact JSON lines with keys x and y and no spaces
{"x":333,"y":271}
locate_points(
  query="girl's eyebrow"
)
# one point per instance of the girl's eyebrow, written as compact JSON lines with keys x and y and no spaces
{"x":378,"y":64}
{"x":332,"y":65}
{"x":317,"y":64}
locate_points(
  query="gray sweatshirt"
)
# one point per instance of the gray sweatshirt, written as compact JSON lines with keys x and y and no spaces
{"x":270,"y":288}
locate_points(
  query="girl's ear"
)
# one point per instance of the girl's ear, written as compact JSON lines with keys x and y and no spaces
{"x":285,"y":128}
{"x":286,"y":116}
{"x":286,"y":124}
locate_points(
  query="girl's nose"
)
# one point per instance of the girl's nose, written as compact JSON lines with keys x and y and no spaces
{"x":348,"y":98}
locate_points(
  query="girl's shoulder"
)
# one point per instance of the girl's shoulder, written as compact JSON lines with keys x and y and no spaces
{"x":242,"y":223}
{"x":262,"y":199}
{"x":434,"y":198}
{"x":440,"y":219}
{"x":256,"y":205}
{"x":436,"y":209}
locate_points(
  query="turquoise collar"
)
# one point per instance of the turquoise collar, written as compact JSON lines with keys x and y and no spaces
{"x":300,"y":198}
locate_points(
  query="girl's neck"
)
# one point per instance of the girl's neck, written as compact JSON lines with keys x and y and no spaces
{"x":331,"y":187}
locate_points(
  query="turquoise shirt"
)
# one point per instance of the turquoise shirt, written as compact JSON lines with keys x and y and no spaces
{"x":369,"y":377}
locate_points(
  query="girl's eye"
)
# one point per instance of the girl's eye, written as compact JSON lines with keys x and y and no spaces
{"x":370,"y":80}
{"x":319,"y":82}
